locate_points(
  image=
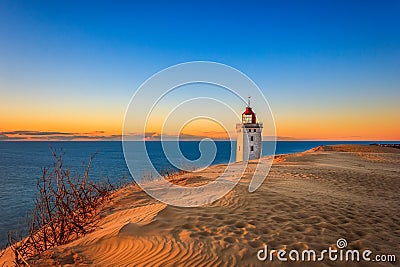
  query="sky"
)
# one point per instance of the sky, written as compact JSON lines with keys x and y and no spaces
{"x":330,"y":70}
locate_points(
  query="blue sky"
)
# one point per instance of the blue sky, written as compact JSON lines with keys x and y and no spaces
{"x":340,"y":59}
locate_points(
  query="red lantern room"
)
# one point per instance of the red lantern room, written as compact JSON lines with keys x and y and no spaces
{"x":248,"y":116}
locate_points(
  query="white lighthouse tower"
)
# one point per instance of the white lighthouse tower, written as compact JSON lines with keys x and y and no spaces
{"x":249,"y":140}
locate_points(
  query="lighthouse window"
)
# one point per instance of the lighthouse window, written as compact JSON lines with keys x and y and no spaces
{"x":251,"y":148}
{"x":252,"y":138}
{"x":254,"y":130}
{"x":249,"y":130}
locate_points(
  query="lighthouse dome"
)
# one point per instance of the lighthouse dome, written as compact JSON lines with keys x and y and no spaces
{"x":248,"y":116}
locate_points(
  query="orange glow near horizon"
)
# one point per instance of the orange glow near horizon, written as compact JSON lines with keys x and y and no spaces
{"x":334,"y":129}
{"x":106,"y":124}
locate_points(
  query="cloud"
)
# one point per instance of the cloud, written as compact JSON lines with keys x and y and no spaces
{"x":26,"y":132}
{"x":3,"y":137}
{"x":285,"y":138}
{"x":55,"y":135}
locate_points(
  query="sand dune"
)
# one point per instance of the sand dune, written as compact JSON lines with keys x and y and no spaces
{"x":308,"y":201}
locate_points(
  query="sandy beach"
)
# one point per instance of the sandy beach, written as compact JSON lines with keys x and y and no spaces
{"x":308,"y":201}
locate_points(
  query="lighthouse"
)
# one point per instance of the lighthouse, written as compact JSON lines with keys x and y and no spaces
{"x":249,"y":140}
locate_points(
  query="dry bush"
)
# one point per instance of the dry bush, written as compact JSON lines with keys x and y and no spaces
{"x":167,"y":173}
{"x":67,"y":207}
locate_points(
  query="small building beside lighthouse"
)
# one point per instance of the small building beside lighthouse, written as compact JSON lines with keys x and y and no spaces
{"x":249,"y":140}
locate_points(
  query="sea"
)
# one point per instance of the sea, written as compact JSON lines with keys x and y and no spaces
{"x":21,"y":165}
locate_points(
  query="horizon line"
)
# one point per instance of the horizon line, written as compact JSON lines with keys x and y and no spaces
{"x":194,"y":140}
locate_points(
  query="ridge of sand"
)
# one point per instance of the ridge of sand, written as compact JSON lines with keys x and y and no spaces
{"x":308,"y":201}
